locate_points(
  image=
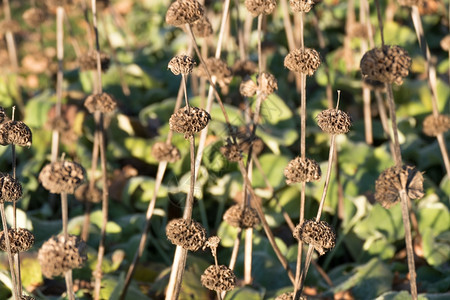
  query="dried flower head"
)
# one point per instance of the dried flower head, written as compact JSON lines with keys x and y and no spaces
{"x":445,"y":43}
{"x":162,"y":151}
{"x":302,"y":5}
{"x":189,"y":121}
{"x":218,"y":278}
{"x":319,"y":234}
{"x":358,"y":30}
{"x":9,"y":26}
{"x":3,"y":116}
{"x":231,"y":151}
{"x":386,"y":64}
{"x":219,"y":69}
{"x":248,"y":88}
{"x":247,"y":139}
{"x":183,"y":12}
{"x":244,"y":68}
{"x":212,"y":242}
{"x":181,"y":64}
{"x":237,"y":216}
{"x":58,"y":255}
{"x":62,"y":177}
{"x":84,"y":193}
{"x":304,"y":61}
{"x":334,"y":121}
{"x":202,"y":27}
{"x":88,"y":61}
{"x":392,"y":180}
{"x":190,"y":236}
{"x":258,"y":7}
{"x":267,"y":83}
{"x":15,"y":132}
{"x":102,"y":102}
{"x":302,"y":170}
{"x":433,"y":126}
{"x":20,"y":240}
{"x":10,"y":188}
{"x":34,"y":17}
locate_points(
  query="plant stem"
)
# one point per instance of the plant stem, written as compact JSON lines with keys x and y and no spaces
{"x":15,"y":291}
{"x":235,"y":251}
{"x":69,"y":284}
{"x":390,"y":97}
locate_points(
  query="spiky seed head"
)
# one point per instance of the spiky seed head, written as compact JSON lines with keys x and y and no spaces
{"x":334,"y":121}
{"x":302,"y":170}
{"x":62,"y":177}
{"x":259,"y":7}
{"x":181,"y":64}
{"x":386,"y":64}
{"x":394,"y":179}
{"x":183,"y":12}
{"x":445,"y":43}
{"x":218,"y":278}
{"x":20,"y":240}
{"x":237,"y":216}
{"x":305,"y":61}
{"x":15,"y":132}
{"x":84,"y":193}
{"x":218,"y":69}
{"x":302,"y":5}
{"x":231,"y":151}
{"x":10,"y":188}
{"x":88,"y":61}
{"x":103,"y":102}
{"x":190,"y":236}
{"x":319,"y":234}
{"x":189,"y":121}
{"x":34,"y":17}
{"x":58,"y":255}
{"x":162,"y":151}
{"x":244,"y":68}
{"x":248,"y":88}
{"x":202,"y":27}
{"x":434,"y":125}
{"x":267,"y":83}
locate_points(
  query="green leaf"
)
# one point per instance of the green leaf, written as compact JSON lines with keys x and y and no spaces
{"x":244,"y":293}
{"x":436,"y":247}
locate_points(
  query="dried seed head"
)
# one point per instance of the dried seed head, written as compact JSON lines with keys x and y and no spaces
{"x":103,"y":102}
{"x":247,"y":139}
{"x":218,"y":278}
{"x":88,"y":61}
{"x":27,"y":298}
{"x":3,"y":116}
{"x":304,"y":61}
{"x":20,"y":240}
{"x":58,"y":255}
{"x":15,"y":132}
{"x":319,"y":234}
{"x":334,"y":121}
{"x":289,"y":296}
{"x":267,"y":83}
{"x":237,"y":216}
{"x":231,"y":151}
{"x":258,"y":7}
{"x":10,"y":188}
{"x":202,"y":27}
{"x":445,"y":43}
{"x":244,"y":68}
{"x":410,"y":3}
{"x":386,"y":64}
{"x":212,"y":242}
{"x":432,"y":125}
{"x":162,"y":151}
{"x":248,"y":88}
{"x":9,"y":26}
{"x":302,"y":5}
{"x":358,"y":30}
{"x":85,"y":194}
{"x":392,"y":180}
{"x":183,"y":12}
{"x":189,"y":122}
{"x":302,"y":170}
{"x":62,"y":177}
{"x":219,"y":69}
{"x":34,"y":17}
{"x":190,"y":236}
{"x":374,"y":85}
{"x":181,"y":64}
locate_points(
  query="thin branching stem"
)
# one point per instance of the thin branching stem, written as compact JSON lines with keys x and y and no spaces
{"x":15,"y":291}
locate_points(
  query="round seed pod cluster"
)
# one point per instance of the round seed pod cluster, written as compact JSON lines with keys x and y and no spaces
{"x":181,"y":64}
{"x":58,"y":255}
{"x":62,"y":177}
{"x":386,"y":64}
{"x":15,"y":132}
{"x":231,"y":152}
{"x":432,"y":125}
{"x":244,"y":68}
{"x":334,"y":121}
{"x":10,"y":188}
{"x":219,"y":69}
{"x":305,"y":61}
{"x":212,"y":242}
{"x":302,"y":170}
{"x":102,"y":102}
{"x":162,"y":151}
{"x":88,"y":61}
{"x":9,"y":26}
{"x":392,"y":180}
{"x":20,"y":240}
{"x":248,"y":88}
{"x":258,"y":7}
{"x":183,"y":12}
{"x":189,"y":120}
{"x":85,"y":194}
{"x":190,"y":236}
{"x":358,"y":30}
{"x":267,"y":83}
{"x":237,"y":216}
{"x":218,"y":278}
{"x":302,"y":5}
{"x":445,"y":43}
{"x":34,"y":17}
{"x":319,"y":234}
{"x":246,"y":139}
{"x":202,"y":27}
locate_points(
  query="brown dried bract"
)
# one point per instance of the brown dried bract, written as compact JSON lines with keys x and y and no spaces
{"x":392,"y":180}
{"x":248,"y":88}
{"x":302,"y":170}
{"x":88,"y":61}
{"x":15,"y":132}
{"x":218,"y":278}
{"x":219,"y":69}
{"x":387,"y":64}
{"x":189,"y":121}
{"x":20,"y":240}
{"x":319,"y":234}
{"x":34,"y":17}
{"x":202,"y":27}
{"x":258,"y":7}
{"x":267,"y":83}
{"x":183,"y":12}
{"x":86,"y":194}
{"x":10,"y":188}
{"x":181,"y":64}
{"x":162,"y":151}
{"x":305,"y":61}
{"x":237,"y":216}
{"x":62,"y":177}
{"x":244,"y":68}
{"x":190,"y":236}
{"x":103,"y":102}
{"x":231,"y":151}
{"x":334,"y":121}
{"x":432,"y":125}
{"x":302,"y":5}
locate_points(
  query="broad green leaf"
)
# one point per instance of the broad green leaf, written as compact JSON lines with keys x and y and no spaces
{"x":244,"y":293}
{"x":436,"y":247}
